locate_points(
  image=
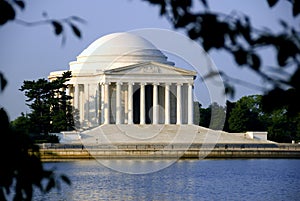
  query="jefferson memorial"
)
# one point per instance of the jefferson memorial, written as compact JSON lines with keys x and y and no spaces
{"x":122,"y":78}
{"x":124,"y":90}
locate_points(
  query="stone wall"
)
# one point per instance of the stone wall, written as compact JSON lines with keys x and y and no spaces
{"x":175,"y":151}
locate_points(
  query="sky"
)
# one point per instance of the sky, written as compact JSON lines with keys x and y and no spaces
{"x":30,"y":53}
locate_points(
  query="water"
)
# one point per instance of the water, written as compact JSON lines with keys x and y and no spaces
{"x":254,"y":179}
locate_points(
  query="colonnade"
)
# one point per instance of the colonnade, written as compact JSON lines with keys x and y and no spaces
{"x":105,"y":102}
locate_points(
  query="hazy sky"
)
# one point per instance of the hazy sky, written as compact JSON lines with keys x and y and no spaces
{"x":30,"y":53}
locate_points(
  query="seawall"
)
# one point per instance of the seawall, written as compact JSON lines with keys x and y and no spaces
{"x":160,"y":151}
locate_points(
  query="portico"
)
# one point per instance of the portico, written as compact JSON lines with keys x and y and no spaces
{"x":143,"y":112}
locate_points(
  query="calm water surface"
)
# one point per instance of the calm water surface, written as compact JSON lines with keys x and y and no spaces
{"x":255,"y":179}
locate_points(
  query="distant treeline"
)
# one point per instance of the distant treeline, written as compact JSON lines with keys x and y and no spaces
{"x":247,"y":114}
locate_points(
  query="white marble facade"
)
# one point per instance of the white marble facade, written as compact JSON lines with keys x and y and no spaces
{"x":122,"y":78}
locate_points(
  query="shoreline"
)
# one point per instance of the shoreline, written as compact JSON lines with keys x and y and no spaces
{"x":164,"y":152}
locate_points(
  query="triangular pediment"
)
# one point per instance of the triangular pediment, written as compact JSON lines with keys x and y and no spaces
{"x":150,"y":68}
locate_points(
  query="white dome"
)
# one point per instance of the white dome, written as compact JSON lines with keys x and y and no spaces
{"x":117,"y":50}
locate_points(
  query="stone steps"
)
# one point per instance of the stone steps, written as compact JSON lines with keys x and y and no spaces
{"x":151,"y":134}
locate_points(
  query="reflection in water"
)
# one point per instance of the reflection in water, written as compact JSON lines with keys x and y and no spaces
{"x":256,"y":179}
{"x":136,"y":166}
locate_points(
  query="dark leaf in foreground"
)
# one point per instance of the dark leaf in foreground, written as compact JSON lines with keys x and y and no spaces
{"x":50,"y":185}
{"x":7,"y":12}
{"x":75,"y":30}
{"x":66,"y":179}
{"x":3,"y":82}
{"x":21,"y":4}
{"x":272,"y":2}
{"x":204,"y":2}
{"x":255,"y":62}
{"x":58,"y":28}
{"x":296,"y":8}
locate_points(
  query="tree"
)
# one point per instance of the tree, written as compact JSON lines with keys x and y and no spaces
{"x":50,"y":105}
{"x":212,"y":117}
{"x":22,"y":124}
{"x":21,"y":169}
{"x":282,"y":127}
{"x":61,"y":107}
{"x":279,"y":126}
{"x":229,"y":107}
{"x":205,"y":115}
{"x":246,"y":115}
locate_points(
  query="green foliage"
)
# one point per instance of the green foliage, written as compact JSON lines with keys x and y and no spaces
{"x":50,"y":105}
{"x":22,"y":124}
{"x":229,"y":108}
{"x":21,"y":169}
{"x":277,"y":126}
{"x":246,"y":115}
{"x":281,"y":126}
{"x":3,"y":82}
{"x":212,"y":117}
{"x":205,"y":114}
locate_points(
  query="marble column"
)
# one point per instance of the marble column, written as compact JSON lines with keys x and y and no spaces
{"x":179,"y":108}
{"x":97,"y":104}
{"x":81,"y":104}
{"x":118,"y":103}
{"x":125,"y":98}
{"x":190,"y":104}
{"x":86,"y":105}
{"x":102,"y":103}
{"x":76,"y":96}
{"x":142,"y":103}
{"x":130,"y":103}
{"x":106,"y":104}
{"x":167,"y":103}
{"x":155,"y":104}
